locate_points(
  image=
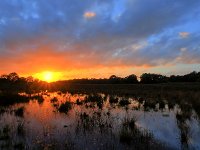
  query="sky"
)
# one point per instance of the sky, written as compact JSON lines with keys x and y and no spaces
{"x":98,"y":38}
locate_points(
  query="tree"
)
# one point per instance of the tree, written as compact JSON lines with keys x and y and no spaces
{"x":191,"y":77}
{"x":4,"y":76}
{"x":114,"y":79}
{"x":13,"y":76}
{"x":131,"y":79}
{"x":198,"y":77}
{"x":30,"y":79}
{"x":153,"y":78}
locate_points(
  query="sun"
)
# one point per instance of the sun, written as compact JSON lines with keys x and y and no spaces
{"x":48,"y":76}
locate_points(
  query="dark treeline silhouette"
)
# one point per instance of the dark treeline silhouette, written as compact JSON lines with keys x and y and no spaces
{"x":153,"y":78}
{"x":146,"y":78}
{"x":12,"y":81}
{"x":112,"y":80}
{"x":191,"y":77}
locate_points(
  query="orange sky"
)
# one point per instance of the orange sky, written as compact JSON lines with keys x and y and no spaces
{"x":74,"y":63}
{"x":96,"y":39}
{"x":68,"y":64}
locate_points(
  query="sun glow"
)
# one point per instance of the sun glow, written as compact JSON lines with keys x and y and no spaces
{"x":48,"y":76}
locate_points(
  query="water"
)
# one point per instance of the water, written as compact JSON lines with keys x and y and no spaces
{"x":98,"y":124}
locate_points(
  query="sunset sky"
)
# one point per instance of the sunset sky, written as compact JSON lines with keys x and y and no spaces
{"x":98,"y":38}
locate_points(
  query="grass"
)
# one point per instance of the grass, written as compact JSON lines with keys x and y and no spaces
{"x":38,"y":97}
{"x":7,"y":99}
{"x":19,"y":112}
{"x":113,"y":100}
{"x":54,"y":100}
{"x":78,"y":102}
{"x":96,"y":121}
{"x":95,"y":98}
{"x":2,"y":110}
{"x":19,"y":146}
{"x":6,"y":139}
{"x":126,"y":136}
{"x":4,"y":133}
{"x":137,"y":138}
{"x":136,"y":89}
{"x":93,"y":122}
{"x":65,"y":107}
{"x":21,"y":129}
{"x":127,"y":132}
{"x":149,"y":104}
{"x":182,"y":118}
{"x":124,"y":102}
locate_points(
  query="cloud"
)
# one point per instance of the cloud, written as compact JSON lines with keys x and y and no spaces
{"x":88,"y":34}
{"x":184,"y":34}
{"x":183,"y":49}
{"x":89,"y":15}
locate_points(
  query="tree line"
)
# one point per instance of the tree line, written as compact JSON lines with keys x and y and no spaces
{"x":13,"y":81}
{"x":145,"y":78}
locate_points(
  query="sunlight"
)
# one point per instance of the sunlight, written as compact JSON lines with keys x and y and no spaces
{"x":48,"y":76}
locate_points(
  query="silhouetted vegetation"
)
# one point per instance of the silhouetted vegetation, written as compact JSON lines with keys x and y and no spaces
{"x":9,"y":99}
{"x":38,"y":97}
{"x":95,"y":98}
{"x":13,"y":83}
{"x":153,"y":78}
{"x":131,"y":135}
{"x":113,"y":99}
{"x":124,"y":102}
{"x":191,"y":77}
{"x":65,"y":107}
{"x":54,"y":100}
{"x":20,"y":112}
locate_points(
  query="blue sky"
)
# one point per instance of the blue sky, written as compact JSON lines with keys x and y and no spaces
{"x":97,"y":38}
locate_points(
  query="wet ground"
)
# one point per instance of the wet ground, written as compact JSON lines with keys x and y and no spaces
{"x":97,"y":121}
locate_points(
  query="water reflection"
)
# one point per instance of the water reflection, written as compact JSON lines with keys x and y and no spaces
{"x":86,"y":121}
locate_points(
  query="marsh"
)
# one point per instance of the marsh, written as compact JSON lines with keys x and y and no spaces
{"x":90,"y":119}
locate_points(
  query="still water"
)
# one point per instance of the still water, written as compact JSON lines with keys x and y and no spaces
{"x":111,"y":122}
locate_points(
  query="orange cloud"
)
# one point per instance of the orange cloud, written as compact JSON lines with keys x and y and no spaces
{"x":89,"y":15}
{"x":184,"y":34}
{"x":70,"y":64}
{"x":79,"y":60}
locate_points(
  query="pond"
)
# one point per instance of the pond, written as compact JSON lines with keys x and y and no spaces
{"x":59,"y":120}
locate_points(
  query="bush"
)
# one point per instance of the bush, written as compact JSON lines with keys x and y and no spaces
{"x":65,"y":107}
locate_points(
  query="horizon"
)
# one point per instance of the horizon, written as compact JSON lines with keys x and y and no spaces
{"x":96,"y":39}
{"x":51,"y":77}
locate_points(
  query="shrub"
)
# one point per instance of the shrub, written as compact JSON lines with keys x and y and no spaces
{"x":65,"y":107}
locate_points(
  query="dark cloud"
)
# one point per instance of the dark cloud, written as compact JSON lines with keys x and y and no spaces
{"x":107,"y":33}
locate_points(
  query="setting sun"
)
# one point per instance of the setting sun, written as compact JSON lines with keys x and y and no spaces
{"x":48,"y":76}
